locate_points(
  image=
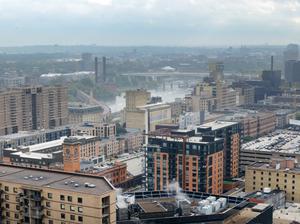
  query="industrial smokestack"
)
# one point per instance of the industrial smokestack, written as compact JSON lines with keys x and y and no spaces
{"x":272,"y":62}
{"x":104,"y":68}
{"x":96,"y":69}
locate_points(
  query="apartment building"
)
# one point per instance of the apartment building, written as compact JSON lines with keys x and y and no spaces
{"x":196,"y":163}
{"x":31,"y":195}
{"x":102,"y":130}
{"x":282,"y":174}
{"x":32,"y":108}
{"x":231,"y":133}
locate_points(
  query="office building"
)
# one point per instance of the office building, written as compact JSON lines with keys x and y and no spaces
{"x":81,"y":113}
{"x":226,"y":97}
{"x":136,"y":98}
{"x":32,"y":108}
{"x":231,"y":133}
{"x":291,"y":52}
{"x":281,"y":174}
{"x":141,"y":115}
{"x":196,"y":163}
{"x":216,"y":70}
{"x":46,"y":196}
{"x":86,"y":62}
{"x":292,"y":71}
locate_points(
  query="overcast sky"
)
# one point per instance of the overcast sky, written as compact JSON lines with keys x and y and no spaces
{"x":149,"y":22}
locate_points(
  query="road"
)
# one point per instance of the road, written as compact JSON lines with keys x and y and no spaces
{"x":91,"y":100}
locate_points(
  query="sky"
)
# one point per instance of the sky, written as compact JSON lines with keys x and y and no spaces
{"x":149,"y":22}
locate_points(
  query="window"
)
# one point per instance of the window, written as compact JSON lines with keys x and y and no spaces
{"x":72,"y":217}
{"x":79,"y":200}
{"x":80,"y":209}
{"x":48,"y":204}
{"x":72,"y":208}
{"x":62,"y":206}
{"x":17,"y":207}
{"x":62,"y":215}
{"x":6,"y":197}
{"x":50,"y":195}
{"x":262,"y":173}
{"x":6,"y":205}
{"x":48,"y":213}
{"x":62,"y":197}
{"x":6,"y":188}
{"x":15,"y":190}
{"x":70,"y":198}
{"x":292,"y":198}
{"x":293,"y":181}
{"x":16,"y":216}
{"x":50,"y":221}
{"x":80,"y":219}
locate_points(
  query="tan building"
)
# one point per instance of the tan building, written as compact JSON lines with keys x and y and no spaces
{"x":31,"y":195}
{"x":282,"y":174}
{"x":148,"y":116}
{"x":226,"y":96}
{"x":102,"y":130}
{"x":31,"y":108}
{"x":136,"y":98}
{"x":85,"y":113}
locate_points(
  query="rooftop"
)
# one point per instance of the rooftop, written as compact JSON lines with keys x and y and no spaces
{"x":55,"y":179}
{"x":215,"y":125}
{"x":284,"y":141}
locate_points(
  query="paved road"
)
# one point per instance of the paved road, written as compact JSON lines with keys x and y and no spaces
{"x":93,"y":101}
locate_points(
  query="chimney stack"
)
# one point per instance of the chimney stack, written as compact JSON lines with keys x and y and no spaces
{"x":272,"y":62}
{"x":96,"y":69}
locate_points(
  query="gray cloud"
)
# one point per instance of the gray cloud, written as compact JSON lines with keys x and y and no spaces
{"x":149,"y":22}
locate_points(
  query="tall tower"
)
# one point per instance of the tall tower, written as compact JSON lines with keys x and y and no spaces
{"x":71,"y":155}
{"x":103,"y":69}
{"x":96,"y":69}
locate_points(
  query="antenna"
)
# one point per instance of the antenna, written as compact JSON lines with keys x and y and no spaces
{"x":272,"y":62}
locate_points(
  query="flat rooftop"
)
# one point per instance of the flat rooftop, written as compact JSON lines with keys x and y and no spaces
{"x":267,"y":166}
{"x":215,"y":125}
{"x":287,"y":215}
{"x":54,"y":179}
{"x":284,"y":141}
{"x":54,"y":143}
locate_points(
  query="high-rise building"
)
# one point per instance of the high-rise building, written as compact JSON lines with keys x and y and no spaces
{"x":291,"y":52}
{"x":292,"y":71}
{"x":32,"y":108}
{"x":86,"y":62}
{"x":226,"y":97}
{"x":136,"y":98}
{"x":196,"y":163}
{"x":30,"y":195}
{"x":216,"y":70}
{"x":291,"y":57}
{"x":230,"y":132}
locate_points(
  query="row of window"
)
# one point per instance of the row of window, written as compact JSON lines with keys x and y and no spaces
{"x":270,"y":173}
{"x":69,"y":198}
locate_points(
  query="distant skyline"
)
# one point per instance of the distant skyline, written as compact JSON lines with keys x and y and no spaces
{"x":149,"y":22}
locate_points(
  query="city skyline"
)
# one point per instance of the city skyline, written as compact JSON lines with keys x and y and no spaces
{"x":150,"y":22}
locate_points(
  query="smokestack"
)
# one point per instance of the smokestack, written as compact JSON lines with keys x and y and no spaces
{"x":272,"y":62}
{"x":96,"y":69}
{"x":104,"y":68}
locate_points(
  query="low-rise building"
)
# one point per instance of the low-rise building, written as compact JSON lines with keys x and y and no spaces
{"x":100,"y":129}
{"x":281,"y":174}
{"x":32,"y":195}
